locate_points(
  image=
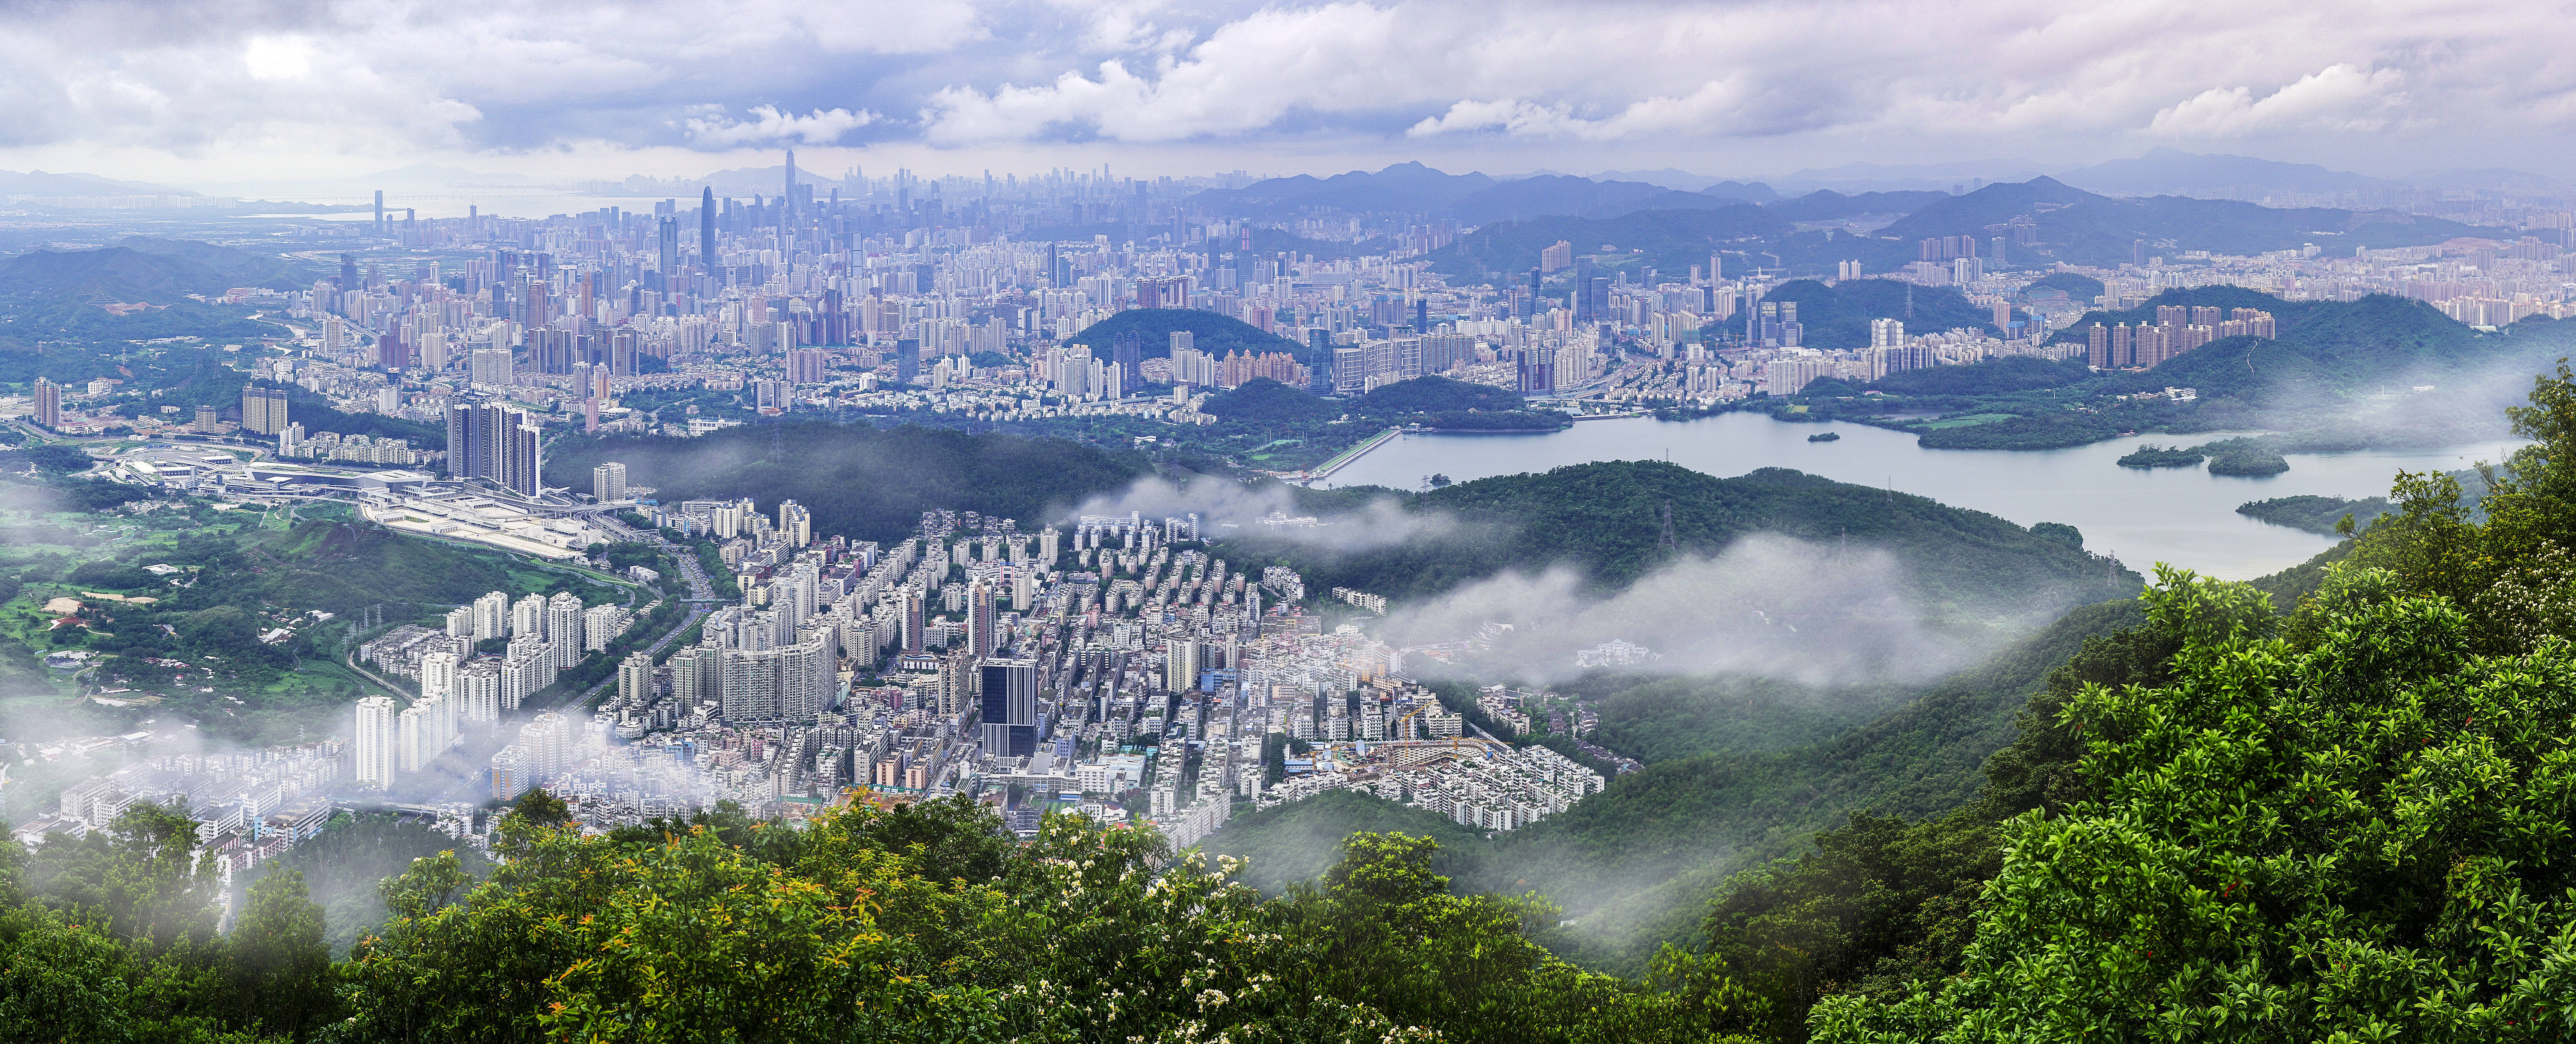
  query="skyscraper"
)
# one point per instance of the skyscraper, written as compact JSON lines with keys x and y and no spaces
{"x":707,"y":229}
{"x":49,"y":403}
{"x":787,"y":199}
{"x":493,"y":443}
{"x":980,"y":619}
{"x":1009,"y":723}
{"x":1127,"y":352}
{"x":669,"y":229}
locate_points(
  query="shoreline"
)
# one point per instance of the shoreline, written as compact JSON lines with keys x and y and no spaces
{"x":1344,"y":458}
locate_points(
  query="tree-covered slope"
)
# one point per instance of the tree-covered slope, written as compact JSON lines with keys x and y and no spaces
{"x":1214,"y":334}
{"x":1606,"y":519}
{"x":140,"y":268}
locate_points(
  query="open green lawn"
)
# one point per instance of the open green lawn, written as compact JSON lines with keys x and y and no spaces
{"x":1968,"y":421}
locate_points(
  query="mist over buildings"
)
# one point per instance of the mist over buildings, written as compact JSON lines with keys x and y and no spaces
{"x":1234,"y":510}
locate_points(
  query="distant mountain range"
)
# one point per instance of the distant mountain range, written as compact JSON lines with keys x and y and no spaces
{"x":2166,"y":170}
{"x":2089,"y":228}
{"x":1472,"y":198}
{"x":40,"y":183}
{"x":2072,"y":225}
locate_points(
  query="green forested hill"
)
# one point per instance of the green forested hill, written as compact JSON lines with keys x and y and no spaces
{"x":1634,"y":864}
{"x":1606,"y":519}
{"x":1214,"y":334}
{"x":1435,"y":394}
{"x":140,"y":268}
{"x":861,"y":482}
{"x":1838,"y":316}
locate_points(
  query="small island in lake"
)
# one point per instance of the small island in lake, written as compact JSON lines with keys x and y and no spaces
{"x":2248,"y":457}
{"x":2150,"y":455}
{"x":1830,"y":436}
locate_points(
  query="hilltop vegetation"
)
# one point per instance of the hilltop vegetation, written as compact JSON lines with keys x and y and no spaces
{"x":925,"y":922}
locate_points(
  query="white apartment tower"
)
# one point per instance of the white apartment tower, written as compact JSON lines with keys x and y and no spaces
{"x":376,"y":738}
{"x":563,"y":628}
{"x":608,"y":482}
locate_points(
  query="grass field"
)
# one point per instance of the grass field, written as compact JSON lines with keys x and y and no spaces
{"x":1969,"y":421}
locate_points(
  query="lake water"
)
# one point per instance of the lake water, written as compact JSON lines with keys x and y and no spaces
{"x":2183,"y":516}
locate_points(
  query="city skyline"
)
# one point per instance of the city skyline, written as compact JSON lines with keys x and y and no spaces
{"x":270,"y":96}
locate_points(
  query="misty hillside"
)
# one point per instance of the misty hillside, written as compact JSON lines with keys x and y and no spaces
{"x":1635,"y":865}
{"x":860,"y":482}
{"x":1605,"y":519}
{"x":140,"y":268}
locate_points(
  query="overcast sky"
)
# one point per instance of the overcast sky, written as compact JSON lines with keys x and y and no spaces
{"x":203,"y":94}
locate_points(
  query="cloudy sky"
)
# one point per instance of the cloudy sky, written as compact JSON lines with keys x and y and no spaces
{"x":203,"y":94}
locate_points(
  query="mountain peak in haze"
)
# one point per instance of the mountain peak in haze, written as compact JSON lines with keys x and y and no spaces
{"x":2165,"y":170}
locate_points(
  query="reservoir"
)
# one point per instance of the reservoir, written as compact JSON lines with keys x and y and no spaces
{"x":2183,"y":516}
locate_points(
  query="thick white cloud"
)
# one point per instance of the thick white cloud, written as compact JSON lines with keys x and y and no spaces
{"x":394,"y":78}
{"x":2338,"y":97}
{"x":768,"y":126}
